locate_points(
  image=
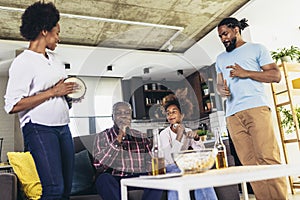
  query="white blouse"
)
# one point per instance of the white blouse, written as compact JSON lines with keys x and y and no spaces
{"x":170,"y":144}
{"x":29,"y":74}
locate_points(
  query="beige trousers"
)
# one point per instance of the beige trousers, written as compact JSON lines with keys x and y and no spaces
{"x":253,"y":137}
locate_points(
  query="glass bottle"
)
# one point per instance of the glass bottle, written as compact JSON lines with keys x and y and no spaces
{"x":221,"y":159}
{"x":158,"y":159}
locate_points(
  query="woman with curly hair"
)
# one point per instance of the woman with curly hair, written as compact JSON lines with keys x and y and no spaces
{"x":36,"y":91}
{"x":177,"y":137}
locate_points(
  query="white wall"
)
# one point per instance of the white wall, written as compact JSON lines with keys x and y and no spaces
{"x":100,"y":96}
{"x":274,"y":23}
{"x":7,"y":125}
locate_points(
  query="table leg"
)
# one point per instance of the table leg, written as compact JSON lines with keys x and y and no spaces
{"x":123,"y":191}
{"x":183,"y":194}
{"x":245,"y":191}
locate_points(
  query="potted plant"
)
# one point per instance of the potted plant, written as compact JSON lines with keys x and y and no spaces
{"x":202,"y":134}
{"x":286,"y":54}
{"x":205,"y":89}
{"x":287,"y":119}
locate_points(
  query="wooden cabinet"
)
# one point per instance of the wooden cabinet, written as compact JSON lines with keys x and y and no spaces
{"x":203,"y":83}
{"x":200,"y":87}
{"x":207,"y":94}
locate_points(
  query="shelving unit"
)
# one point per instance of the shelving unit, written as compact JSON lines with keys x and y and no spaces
{"x":201,"y":81}
{"x":146,"y":96}
{"x":285,"y":97}
{"x":153,"y":98}
{"x":155,"y":95}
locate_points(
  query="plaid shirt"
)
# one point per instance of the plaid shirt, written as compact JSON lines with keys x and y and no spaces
{"x":131,"y":156}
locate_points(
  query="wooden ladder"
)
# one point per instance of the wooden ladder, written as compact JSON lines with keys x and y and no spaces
{"x":283,"y":99}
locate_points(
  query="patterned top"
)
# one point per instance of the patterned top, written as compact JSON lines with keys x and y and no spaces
{"x":131,"y":156}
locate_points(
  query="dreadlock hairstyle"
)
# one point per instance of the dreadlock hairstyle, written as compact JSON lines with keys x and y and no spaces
{"x":231,"y":22}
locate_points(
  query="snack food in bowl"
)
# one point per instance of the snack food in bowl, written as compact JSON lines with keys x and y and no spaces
{"x":195,"y":161}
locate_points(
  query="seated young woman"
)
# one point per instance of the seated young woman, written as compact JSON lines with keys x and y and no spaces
{"x":177,"y":137}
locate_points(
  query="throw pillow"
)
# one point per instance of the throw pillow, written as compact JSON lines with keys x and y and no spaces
{"x":25,"y":169}
{"x":84,"y":173}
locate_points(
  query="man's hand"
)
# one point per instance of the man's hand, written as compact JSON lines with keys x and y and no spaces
{"x":124,"y":129}
{"x":223,"y":89}
{"x":270,"y":73}
{"x":121,"y":135}
{"x":237,"y":71}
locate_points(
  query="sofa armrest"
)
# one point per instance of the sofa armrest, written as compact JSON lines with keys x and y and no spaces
{"x":8,"y":186}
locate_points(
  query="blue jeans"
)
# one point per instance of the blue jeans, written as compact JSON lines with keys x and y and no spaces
{"x":200,"y":194}
{"x":53,"y":152}
{"x":109,"y":188}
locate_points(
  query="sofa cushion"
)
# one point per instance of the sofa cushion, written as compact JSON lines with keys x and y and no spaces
{"x":8,"y":186}
{"x":84,"y":173}
{"x":25,"y":169}
{"x":84,"y":142}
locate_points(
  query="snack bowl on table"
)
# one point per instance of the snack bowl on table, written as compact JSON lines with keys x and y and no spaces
{"x":195,"y":161}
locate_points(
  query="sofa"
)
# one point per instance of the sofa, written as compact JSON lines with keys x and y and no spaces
{"x":84,"y":177}
{"x":83,"y":180}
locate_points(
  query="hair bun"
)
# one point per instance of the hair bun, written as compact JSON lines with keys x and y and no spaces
{"x":243,"y":23}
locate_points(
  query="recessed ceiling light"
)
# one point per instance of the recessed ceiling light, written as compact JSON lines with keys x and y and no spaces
{"x":180,"y":72}
{"x":146,"y":70}
{"x":109,"y":68}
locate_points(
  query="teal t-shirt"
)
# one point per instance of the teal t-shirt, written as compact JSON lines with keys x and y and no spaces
{"x":245,"y":92}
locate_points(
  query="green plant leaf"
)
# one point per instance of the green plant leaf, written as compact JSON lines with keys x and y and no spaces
{"x":287,"y":119}
{"x":293,"y":52}
{"x":202,"y":132}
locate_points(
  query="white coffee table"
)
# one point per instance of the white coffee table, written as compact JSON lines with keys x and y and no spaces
{"x":212,"y":178}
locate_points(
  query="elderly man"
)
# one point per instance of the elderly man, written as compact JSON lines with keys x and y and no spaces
{"x":121,"y":152}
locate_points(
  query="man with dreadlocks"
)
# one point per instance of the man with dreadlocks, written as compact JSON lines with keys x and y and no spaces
{"x":242,"y":71}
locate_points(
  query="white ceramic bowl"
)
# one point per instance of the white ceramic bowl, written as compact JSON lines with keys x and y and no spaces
{"x":195,"y":161}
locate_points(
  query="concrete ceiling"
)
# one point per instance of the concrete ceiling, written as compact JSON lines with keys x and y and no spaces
{"x":159,"y":25}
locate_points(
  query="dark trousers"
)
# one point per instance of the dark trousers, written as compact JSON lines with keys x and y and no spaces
{"x":53,"y":152}
{"x":109,"y":188}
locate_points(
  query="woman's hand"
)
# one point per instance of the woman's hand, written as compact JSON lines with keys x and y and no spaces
{"x":179,"y":130}
{"x":61,"y":88}
{"x":192,"y":134}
